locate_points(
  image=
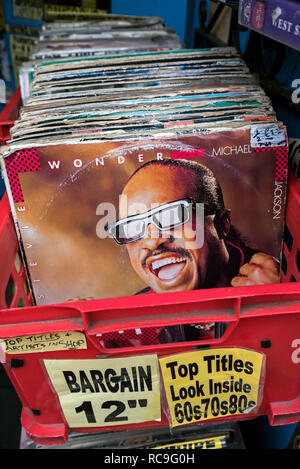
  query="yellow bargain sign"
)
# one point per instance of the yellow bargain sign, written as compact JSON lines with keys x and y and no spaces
{"x":210,"y":384}
{"x":107,"y":392}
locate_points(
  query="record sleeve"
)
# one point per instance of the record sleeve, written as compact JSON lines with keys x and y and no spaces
{"x":67,"y":198}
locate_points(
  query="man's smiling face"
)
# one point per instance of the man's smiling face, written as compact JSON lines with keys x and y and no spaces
{"x":164,"y":260}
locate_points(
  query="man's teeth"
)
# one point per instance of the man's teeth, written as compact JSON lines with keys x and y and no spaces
{"x":169,"y":260}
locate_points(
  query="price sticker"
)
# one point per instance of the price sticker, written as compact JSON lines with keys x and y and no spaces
{"x":268,"y":136}
{"x":106,"y":392}
{"x":210,"y":384}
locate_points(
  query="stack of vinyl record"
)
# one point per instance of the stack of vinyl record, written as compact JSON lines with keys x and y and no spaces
{"x":110,"y":34}
{"x":160,"y":130}
{"x":148,"y":90}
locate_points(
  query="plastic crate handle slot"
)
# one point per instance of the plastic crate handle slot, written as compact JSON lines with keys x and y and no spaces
{"x":162,"y":325}
{"x":45,"y":434}
{"x":284,"y":413}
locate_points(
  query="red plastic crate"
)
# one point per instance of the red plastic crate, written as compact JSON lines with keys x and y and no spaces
{"x":263,"y":318}
{"x":8,"y":116}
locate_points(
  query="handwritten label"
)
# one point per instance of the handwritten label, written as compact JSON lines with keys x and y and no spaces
{"x":49,"y":342}
{"x":106,"y":392}
{"x":210,"y":384}
{"x":216,"y":442}
{"x":267,"y":136}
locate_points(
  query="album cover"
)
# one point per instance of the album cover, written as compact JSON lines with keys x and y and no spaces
{"x":176,"y":211}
